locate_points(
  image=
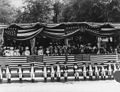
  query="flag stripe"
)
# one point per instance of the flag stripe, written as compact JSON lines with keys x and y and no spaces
{"x":27,"y":33}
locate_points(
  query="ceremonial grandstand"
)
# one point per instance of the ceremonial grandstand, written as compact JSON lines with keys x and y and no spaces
{"x":80,"y":50}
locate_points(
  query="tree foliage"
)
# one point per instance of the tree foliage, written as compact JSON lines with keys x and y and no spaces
{"x":57,"y":8}
{"x":35,"y":11}
{"x":6,"y":12}
{"x":92,"y":11}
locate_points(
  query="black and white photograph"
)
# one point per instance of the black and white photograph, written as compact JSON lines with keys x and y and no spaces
{"x":59,"y":45}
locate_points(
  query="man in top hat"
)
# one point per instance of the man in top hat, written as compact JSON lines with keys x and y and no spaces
{"x":27,"y":51}
{"x":40,"y":51}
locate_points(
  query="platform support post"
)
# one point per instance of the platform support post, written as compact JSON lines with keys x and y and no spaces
{"x":32,"y":42}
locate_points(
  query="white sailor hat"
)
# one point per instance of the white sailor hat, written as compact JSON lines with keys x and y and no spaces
{"x":17,"y":50}
{"x":4,"y":47}
{"x":26,"y":48}
{"x":40,"y":47}
{"x":11,"y":48}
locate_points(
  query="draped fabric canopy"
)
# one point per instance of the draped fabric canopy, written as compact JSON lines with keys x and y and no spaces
{"x":60,"y":31}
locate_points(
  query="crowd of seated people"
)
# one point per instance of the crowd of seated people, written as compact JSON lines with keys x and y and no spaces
{"x":53,"y":50}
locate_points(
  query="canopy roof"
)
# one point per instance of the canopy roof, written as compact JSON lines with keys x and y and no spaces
{"x":60,"y":31}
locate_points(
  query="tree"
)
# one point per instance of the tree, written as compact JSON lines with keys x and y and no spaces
{"x":92,"y":11}
{"x":35,"y":11}
{"x":6,"y":12}
{"x":57,"y":8}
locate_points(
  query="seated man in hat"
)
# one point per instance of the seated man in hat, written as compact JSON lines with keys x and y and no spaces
{"x":40,"y":51}
{"x":16,"y":52}
{"x":27,"y":51}
{"x":6,"y":51}
{"x":11,"y":51}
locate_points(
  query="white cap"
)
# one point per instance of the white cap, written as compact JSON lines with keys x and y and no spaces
{"x":11,"y":48}
{"x":26,"y":48}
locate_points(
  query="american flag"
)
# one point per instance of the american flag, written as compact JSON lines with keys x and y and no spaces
{"x":20,"y":33}
{"x":35,"y":58}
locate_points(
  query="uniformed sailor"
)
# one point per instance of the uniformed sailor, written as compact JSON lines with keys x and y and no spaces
{"x":76,"y":72}
{"x":103,"y":73}
{"x":96,"y":72}
{"x":27,"y":52}
{"x":109,"y":71}
{"x":52,"y":72}
{"x":90,"y":72}
{"x":65,"y":70}
{"x":114,"y":67}
{"x":84,"y":72}
{"x":45,"y":72}
{"x":40,"y":51}
{"x":58,"y":72}
{"x":8,"y":73}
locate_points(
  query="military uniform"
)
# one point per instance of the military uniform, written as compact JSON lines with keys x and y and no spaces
{"x":52,"y":73}
{"x":96,"y":72}
{"x":45,"y":72}
{"x":109,"y":71}
{"x":90,"y":72}
{"x":58,"y":72}
{"x":65,"y":69}
{"x":76,"y":72}
{"x":103,"y":73}
{"x":84,"y":72}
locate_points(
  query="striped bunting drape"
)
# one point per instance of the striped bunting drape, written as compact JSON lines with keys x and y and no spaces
{"x":59,"y":31}
{"x":19,"y":33}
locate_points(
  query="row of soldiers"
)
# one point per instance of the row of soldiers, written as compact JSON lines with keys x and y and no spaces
{"x":89,"y":70}
{"x":57,"y":71}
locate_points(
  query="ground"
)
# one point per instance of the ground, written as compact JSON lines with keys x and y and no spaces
{"x":72,"y":86}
